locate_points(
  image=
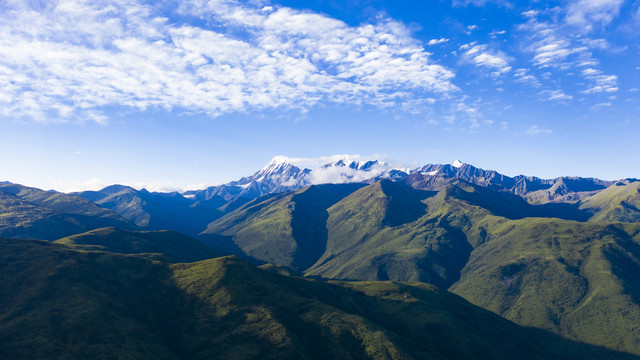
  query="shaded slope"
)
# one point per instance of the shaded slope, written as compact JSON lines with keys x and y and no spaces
{"x":59,"y":303}
{"x":500,"y":202}
{"x":158,"y":211}
{"x":169,"y":244}
{"x":33,"y":213}
{"x":309,"y":218}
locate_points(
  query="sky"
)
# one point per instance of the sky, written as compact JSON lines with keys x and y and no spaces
{"x":173,"y":95}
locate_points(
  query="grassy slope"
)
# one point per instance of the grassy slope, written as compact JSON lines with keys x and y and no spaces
{"x":615,"y":204}
{"x":32,"y":213}
{"x":287,"y":229}
{"x":559,"y":275}
{"x":381,"y":232}
{"x":170,"y":244}
{"x":66,"y":304}
{"x":265,"y":219}
{"x":573,"y":278}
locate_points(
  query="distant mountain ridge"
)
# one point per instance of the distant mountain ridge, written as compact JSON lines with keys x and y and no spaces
{"x":156,"y":210}
{"x":191,"y":212}
{"x":30,"y":213}
{"x":281,"y":175}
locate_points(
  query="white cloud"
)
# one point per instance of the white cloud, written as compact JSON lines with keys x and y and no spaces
{"x":600,"y":83}
{"x":495,"y":33}
{"x":600,"y":106}
{"x":471,"y":28}
{"x":556,"y":95}
{"x":525,"y":76}
{"x":554,"y":47}
{"x":344,"y":174}
{"x":504,"y":3}
{"x":437,"y":41}
{"x":535,"y":130}
{"x":482,"y":56}
{"x":70,"y":59}
{"x":549,"y":45}
{"x":585,"y":14}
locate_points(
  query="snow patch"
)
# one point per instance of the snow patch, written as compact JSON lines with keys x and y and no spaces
{"x":457,"y":164}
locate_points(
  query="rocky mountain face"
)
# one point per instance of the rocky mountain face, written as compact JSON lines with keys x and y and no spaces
{"x":532,"y":188}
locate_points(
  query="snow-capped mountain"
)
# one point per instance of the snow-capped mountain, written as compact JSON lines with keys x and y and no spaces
{"x":281,"y":175}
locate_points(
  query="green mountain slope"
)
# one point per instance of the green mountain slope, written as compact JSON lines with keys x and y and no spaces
{"x":572,"y":278}
{"x":575,"y":278}
{"x":287,"y":229}
{"x":59,"y":303}
{"x":617,"y":203}
{"x":381,"y":232}
{"x":171,"y":245}
{"x":47,"y":215}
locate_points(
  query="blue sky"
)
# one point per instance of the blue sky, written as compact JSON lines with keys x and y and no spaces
{"x":183,"y":94}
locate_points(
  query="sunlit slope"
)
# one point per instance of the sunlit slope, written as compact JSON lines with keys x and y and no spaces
{"x":60,"y":303}
{"x":576,"y":279}
{"x":172,"y":245}
{"x":617,"y":203}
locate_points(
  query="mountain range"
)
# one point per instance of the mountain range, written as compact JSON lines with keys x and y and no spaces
{"x":560,"y":255}
{"x":281,"y":175}
{"x":192,"y":211}
{"x":566,"y":267}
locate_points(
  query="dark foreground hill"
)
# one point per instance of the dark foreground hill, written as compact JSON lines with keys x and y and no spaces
{"x":60,"y":303}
